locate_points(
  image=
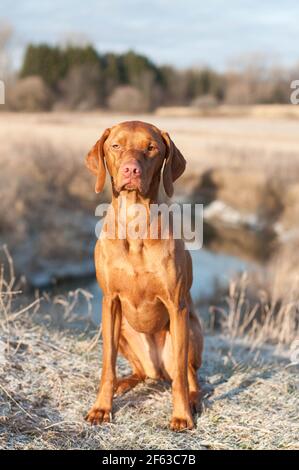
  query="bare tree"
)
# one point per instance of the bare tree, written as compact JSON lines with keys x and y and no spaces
{"x":6,"y":32}
{"x":29,"y":94}
{"x":81,"y":88}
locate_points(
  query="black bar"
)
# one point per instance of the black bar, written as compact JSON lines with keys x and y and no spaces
{"x":149,"y":458}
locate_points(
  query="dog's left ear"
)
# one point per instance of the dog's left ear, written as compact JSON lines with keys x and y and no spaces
{"x":174,"y":166}
{"x":95,"y":161}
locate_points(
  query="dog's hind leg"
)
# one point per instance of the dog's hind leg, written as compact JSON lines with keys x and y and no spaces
{"x":124,"y":384}
{"x":142,"y":353}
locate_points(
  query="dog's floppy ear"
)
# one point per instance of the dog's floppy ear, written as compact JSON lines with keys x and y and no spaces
{"x":95,"y":161}
{"x":174,"y":164}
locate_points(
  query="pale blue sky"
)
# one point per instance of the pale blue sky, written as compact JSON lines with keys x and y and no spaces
{"x":180,"y":32}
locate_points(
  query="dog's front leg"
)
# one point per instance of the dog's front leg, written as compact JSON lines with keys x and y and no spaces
{"x":111,"y":321}
{"x":179,"y":330}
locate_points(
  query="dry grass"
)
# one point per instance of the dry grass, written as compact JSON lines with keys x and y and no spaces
{"x":206,"y":142}
{"x":264,"y":146}
{"x":261,"y":306}
{"x":261,"y":111}
{"x":256,"y":314}
{"x":49,"y":379}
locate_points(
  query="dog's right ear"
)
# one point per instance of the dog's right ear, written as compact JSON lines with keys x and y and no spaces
{"x":95,"y":161}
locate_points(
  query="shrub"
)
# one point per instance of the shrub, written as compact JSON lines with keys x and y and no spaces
{"x":29,"y":94}
{"x":204,"y":102}
{"x":127,"y":99}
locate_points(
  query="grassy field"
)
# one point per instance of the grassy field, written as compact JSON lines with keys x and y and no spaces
{"x":50,"y":377}
{"x":226,"y":140}
{"x":51,"y":146}
{"x":49,"y":371}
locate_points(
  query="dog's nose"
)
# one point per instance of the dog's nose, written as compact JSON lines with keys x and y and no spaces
{"x":131,"y":169}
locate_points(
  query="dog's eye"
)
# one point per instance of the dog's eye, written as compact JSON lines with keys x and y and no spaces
{"x":115,"y":146}
{"x":150,"y":147}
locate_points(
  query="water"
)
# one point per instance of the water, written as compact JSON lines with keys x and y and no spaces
{"x":210,"y":269}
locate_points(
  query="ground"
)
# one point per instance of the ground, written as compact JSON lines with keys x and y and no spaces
{"x":50,"y":380}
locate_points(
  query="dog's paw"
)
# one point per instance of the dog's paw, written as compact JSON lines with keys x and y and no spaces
{"x":127,"y":383}
{"x":98,"y":415}
{"x":181,"y":424}
{"x":123,"y":386}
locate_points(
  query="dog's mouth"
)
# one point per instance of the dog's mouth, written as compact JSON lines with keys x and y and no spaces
{"x":133,"y":184}
{"x":130,"y":186}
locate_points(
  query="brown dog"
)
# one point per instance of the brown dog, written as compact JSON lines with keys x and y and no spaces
{"x":147,"y":312}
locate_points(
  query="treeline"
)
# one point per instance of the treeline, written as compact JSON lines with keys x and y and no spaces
{"x":74,"y":77}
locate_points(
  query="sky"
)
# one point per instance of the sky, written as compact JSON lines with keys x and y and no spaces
{"x":178,"y":32}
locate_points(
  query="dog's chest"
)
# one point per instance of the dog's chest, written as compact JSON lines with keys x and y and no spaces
{"x":140,"y":296}
{"x":139,"y":282}
{"x":135,"y":270}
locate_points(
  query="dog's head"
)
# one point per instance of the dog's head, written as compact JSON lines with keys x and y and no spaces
{"x":135,"y":153}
